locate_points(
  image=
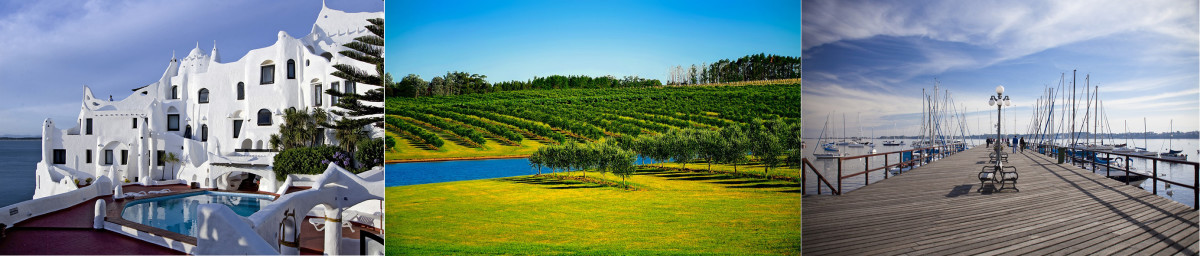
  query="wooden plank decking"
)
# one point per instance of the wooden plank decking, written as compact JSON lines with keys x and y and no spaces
{"x":1060,"y":209}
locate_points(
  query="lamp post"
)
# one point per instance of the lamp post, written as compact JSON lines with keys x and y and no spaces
{"x":999,"y":101}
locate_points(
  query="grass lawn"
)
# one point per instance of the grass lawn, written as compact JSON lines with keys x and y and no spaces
{"x":751,"y":168}
{"x":405,"y":150}
{"x":671,"y":213}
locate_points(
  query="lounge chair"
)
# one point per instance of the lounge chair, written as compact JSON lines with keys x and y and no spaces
{"x":161,"y":191}
{"x":319,"y":223}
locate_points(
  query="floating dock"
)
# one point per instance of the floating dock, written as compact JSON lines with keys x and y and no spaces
{"x":936,"y":209}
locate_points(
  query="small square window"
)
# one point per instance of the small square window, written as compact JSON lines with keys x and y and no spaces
{"x":60,"y":156}
{"x":135,"y":123}
{"x":108,"y":157}
{"x":173,"y":122}
{"x":268,"y":74}
{"x":124,"y":157}
{"x":88,"y":158}
{"x":89,"y":126}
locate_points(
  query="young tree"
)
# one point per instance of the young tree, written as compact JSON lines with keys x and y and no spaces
{"x":709,"y":145}
{"x":733,"y":150}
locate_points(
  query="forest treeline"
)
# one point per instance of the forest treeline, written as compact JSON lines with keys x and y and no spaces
{"x":747,"y":68}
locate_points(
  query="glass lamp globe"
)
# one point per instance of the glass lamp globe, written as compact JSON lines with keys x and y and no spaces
{"x":999,"y":89}
{"x":991,"y":102}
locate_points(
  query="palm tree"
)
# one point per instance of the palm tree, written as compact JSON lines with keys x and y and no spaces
{"x":171,"y":159}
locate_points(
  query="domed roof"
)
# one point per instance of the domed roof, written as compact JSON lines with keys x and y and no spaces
{"x":195,"y":52}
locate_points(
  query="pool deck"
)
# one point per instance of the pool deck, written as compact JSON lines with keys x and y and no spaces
{"x":69,"y":231}
{"x":937,"y":210}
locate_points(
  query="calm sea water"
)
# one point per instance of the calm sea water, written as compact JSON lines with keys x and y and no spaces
{"x":401,"y":174}
{"x":18,"y":163}
{"x":1175,"y":172}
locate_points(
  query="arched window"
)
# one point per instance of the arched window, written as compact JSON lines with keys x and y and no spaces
{"x":291,"y":69}
{"x":264,"y":117}
{"x":267,"y":74}
{"x":241,"y":91}
{"x":187,"y":132}
{"x":204,"y":132}
{"x":174,"y":92}
{"x":203,"y":95}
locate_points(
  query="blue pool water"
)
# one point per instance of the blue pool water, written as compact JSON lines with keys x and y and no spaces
{"x":177,"y":213}
{"x":401,"y":174}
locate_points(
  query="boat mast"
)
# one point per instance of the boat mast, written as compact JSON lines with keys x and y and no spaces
{"x":1073,"y":108}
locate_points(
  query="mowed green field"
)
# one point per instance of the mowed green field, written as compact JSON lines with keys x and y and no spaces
{"x":405,"y":150}
{"x":672,"y":212}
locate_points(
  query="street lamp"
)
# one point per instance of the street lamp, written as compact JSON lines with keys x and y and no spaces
{"x":999,"y":100}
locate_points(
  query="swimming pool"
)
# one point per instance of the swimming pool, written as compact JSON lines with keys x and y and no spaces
{"x":177,"y":213}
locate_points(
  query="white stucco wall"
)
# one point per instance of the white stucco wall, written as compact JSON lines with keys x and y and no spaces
{"x":150,"y":106}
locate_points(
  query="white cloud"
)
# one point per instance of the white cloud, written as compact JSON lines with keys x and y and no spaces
{"x":1010,"y":29}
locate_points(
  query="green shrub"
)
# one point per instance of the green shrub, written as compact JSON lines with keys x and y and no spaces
{"x":304,"y":160}
{"x":369,"y":154}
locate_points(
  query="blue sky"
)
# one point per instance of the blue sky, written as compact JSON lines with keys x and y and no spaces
{"x":873,"y":58}
{"x":519,"y":40}
{"x":52,"y":48}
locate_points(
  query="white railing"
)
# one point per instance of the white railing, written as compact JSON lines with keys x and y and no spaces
{"x":16,"y":213}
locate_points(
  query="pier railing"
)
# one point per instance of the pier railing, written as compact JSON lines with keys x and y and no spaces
{"x":807,"y":165}
{"x":927,"y":155}
{"x":1108,"y":168}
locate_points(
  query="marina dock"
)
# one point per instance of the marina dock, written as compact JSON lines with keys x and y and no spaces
{"x":936,"y":209}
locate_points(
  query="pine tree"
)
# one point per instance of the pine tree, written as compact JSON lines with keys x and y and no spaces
{"x":354,"y":113}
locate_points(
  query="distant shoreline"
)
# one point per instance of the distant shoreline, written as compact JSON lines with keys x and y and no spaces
{"x":453,"y":159}
{"x":20,"y":138}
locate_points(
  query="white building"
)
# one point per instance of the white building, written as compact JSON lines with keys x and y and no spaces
{"x":216,"y":116}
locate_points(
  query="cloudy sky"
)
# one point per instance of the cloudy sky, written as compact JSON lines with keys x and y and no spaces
{"x":873,"y":58}
{"x":519,"y":40}
{"x":52,"y":48}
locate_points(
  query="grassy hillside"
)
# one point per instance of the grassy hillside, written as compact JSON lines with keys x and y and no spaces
{"x":518,"y":122}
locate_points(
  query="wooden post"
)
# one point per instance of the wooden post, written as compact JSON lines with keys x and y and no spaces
{"x":839,"y":174}
{"x":803,"y":191}
{"x":1154,"y":172}
{"x":866,"y":171}
{"x":885,"y":168}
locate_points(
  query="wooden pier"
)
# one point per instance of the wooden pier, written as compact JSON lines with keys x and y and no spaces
{"x":936,"y":210}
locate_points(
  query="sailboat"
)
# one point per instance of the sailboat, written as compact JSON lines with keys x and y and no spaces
{"x":1125,"y":147}
{"x":843,"y":142}
{"x":872,"y":143}
{"x":832,"y":151}
{"x":1145,"y":142}
{"x":1171,"y":152}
